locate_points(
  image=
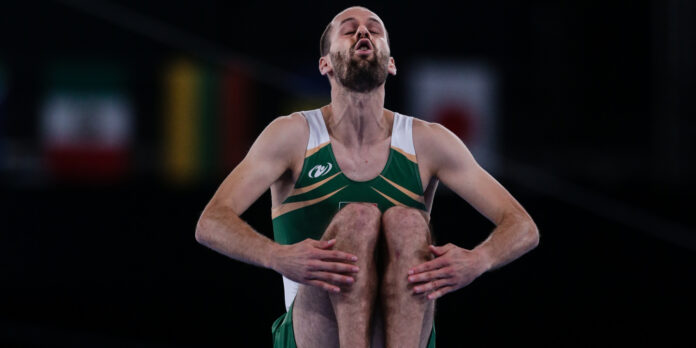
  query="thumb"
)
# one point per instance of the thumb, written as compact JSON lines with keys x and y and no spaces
{"x":440,"y":250}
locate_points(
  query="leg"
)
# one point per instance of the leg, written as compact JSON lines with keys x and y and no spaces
{"x":325,"y":320}
{"x":408,"y":317}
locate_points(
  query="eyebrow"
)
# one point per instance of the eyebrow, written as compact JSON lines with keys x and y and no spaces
{"x":353,"y":19}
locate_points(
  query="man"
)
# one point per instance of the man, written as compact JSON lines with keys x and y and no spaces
{"x":352,"y":185}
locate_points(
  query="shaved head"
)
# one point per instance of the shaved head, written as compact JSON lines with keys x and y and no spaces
{"x":325,"y":40}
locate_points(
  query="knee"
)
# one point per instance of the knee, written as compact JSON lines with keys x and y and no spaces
{"x":403,"y":218}
{"x":361,"y":219}
{"x":405,"y":228}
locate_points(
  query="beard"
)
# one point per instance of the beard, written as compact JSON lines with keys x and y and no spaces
{"x":359,"y":74}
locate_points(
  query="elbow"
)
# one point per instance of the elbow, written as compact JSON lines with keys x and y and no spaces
{"x":532,"y":235}
{"x":202,"y":230}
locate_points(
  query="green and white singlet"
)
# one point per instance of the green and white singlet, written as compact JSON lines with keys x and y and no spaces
{"x":322,"y":188}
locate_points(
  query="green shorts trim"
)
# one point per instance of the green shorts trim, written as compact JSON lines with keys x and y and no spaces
{"x":284,"y":336}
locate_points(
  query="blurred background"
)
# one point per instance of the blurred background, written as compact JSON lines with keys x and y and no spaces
{"x":119,"y":119}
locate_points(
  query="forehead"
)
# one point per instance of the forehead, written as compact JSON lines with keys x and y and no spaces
{"x":356,"y":13}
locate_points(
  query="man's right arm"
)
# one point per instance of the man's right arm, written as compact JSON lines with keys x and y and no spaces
{"x":220,"y":228}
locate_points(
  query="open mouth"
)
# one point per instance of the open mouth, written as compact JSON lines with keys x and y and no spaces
{"x":363,"y":46}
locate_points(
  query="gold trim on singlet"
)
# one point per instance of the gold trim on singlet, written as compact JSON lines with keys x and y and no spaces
{"x":410,"y":157}
{"x":313,"y":150}
{"x":392,"y":200}
{"x":311,"y":187}
{"x":288,"y":207}
{"x":413,"y":196}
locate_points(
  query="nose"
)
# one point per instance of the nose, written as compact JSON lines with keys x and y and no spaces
{"x":362,"y":32}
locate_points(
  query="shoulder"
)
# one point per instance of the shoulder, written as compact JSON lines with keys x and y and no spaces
{"x":437,"y":147}
{"x":285,"y":136}
{"x":432,"y":136}
{"x":293,"y":124}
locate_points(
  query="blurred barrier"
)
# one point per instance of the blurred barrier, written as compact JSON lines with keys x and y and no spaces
{"x":186,"y":42}
{"x":3,"y":94}
{"x":547,"y":184}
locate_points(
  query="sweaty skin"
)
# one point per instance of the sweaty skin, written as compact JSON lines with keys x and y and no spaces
{"x":360,"y":131}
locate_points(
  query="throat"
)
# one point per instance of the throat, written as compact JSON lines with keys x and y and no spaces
{"x":364,"y":163}
{"x":358,"y":126}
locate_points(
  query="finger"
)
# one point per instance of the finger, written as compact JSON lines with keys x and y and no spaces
{"x":429,"y":266}
{"x":333,"y":267}
{"x":324,"y":285}
{"x":430,"y":286}
{"x":337,"y":255}
{"x":440,"y":292}
{"x":428,"y":276}
{"x":325,"y":244}
{"x":333,"y":277}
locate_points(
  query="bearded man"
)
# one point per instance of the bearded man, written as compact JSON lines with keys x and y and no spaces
{"x":352,"y":187}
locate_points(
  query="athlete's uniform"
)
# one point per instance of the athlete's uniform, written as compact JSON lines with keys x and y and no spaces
{"x":322,"y":189}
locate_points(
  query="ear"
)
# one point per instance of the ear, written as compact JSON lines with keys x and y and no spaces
{"x":325,"y":66}
{"x":392,"y":66}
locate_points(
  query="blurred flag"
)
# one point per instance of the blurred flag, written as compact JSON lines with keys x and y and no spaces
{"x":236,"y":122}
{"x":461,"y":97}
{"x":183,"y":100}
{"x":86,"y":122}
{"x":206,"y":123}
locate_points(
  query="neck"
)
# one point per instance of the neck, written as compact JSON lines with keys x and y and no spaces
{"x":357,"y":119}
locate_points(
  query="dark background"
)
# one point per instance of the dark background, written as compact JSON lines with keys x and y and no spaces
{"x":596,"y":105}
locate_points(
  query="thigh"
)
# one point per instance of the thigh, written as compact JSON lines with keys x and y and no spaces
{"x":315,"y":324}
{"x":314,"y":321}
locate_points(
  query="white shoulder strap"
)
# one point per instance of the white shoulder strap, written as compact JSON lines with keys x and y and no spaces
{"x":318,"y":134}
{"x":402,"y":133}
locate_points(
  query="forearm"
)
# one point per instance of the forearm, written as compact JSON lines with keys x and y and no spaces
{"x":222,"y":230}
{"x":512,"y":238}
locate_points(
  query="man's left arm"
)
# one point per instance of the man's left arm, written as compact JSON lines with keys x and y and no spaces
{"x":515,"y":233}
